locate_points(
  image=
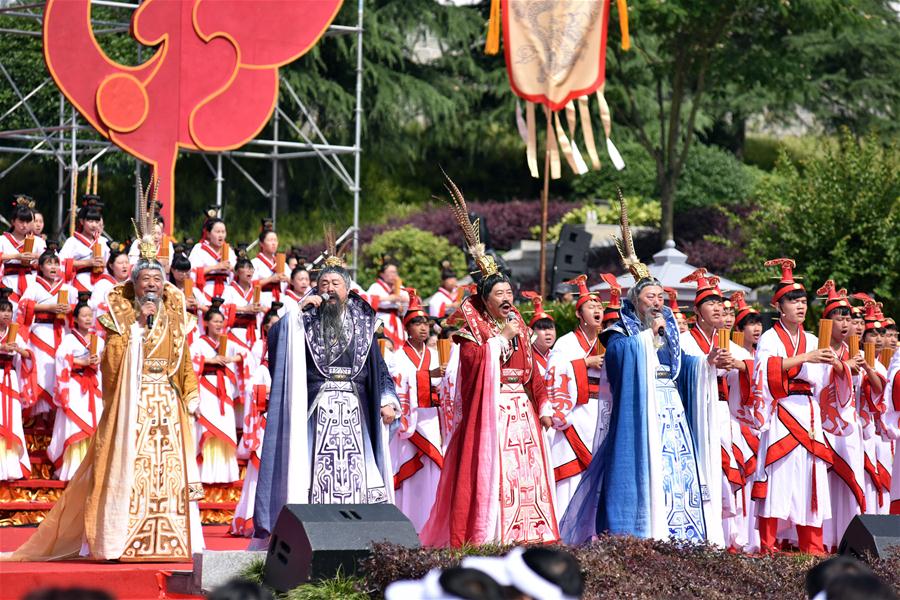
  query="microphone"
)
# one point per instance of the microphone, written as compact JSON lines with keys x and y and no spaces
{"x":325,"y":296}
{"x":151,"y":297}
{"x":515,"y":341}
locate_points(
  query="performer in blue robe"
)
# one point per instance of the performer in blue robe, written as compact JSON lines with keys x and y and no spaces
{"x":644,"y":479}
{"x":331,"y":400}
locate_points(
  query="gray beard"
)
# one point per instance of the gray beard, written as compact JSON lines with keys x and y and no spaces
{"x":647,"y":319}
{"x":331,"y":318}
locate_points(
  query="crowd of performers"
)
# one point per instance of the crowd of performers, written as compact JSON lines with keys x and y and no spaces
{"x":793,"y":438}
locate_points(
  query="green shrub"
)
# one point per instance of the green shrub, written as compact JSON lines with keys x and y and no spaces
{"x":563,"y":314}
{"x":641,"y":211}
{"x":713,"y":176}
{"x":419,"y":252}
{"x":637,"y":179}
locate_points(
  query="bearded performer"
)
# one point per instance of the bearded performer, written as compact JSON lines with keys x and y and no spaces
{"x":416,"y":447}
{"x":331,"y":395}
{"x":117,"y":506}
{"x":644,"y":478}
{"x":579,"y":407}
{"x":495,"y":485}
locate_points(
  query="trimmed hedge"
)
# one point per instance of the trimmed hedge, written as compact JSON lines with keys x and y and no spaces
{"x":627,"y":567}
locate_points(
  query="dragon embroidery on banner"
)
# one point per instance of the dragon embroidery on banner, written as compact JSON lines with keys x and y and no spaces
{"x":211,"y":83}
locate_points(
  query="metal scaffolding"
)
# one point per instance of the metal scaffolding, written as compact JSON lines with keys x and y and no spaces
{"x":76,"y":146}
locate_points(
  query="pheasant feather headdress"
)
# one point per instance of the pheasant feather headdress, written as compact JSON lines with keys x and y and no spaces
{"x":625,"y":246}
{"x":486,"y":264}
{"x":145,"y":226}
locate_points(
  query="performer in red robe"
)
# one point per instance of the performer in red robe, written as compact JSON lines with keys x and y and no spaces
{"x":495,"y":485}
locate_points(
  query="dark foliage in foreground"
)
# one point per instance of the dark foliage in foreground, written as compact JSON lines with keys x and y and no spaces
{"x":625,"y":567}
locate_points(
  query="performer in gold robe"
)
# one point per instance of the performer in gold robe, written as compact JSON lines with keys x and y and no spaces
{"x":134,"y":496}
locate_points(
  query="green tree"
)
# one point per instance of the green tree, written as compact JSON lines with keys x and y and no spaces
{"x":419,"y":253}
{"x":837,"y":216}
{"x":692,"y":55}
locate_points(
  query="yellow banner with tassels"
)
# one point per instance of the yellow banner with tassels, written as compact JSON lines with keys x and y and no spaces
{"x":556,"y":56}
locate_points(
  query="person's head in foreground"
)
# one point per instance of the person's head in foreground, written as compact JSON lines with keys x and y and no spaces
{"x":845,"y":578}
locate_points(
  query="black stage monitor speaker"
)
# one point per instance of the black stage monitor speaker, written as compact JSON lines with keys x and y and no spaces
{"x":313,"y":541}
{"x":570,"y":258}
{"x":872,"y":534}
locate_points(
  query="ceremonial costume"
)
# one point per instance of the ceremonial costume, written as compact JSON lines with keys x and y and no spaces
{"x":216,"y":433}
{"x":212,"y":283}
{"x":416,"y":448}
{"x":495,"y":485}
{"x":643,"y":479}
{"x":243,"y":325}
{"x":46,"y":331}
{"x":15,"y":393}
{"x":117,"y":507}
{"x":871,"y":406}
{"x":325,"y":442}
{"x":15,"y":274}
{"x":844,"y":440}
{"x":440,"y":302}
{"x":263,"y":268}
{"x":791,"y":479}
{"x":580,"y":405}
{"x":713,"y":441}
{"x":100,"y":289}
{"x":81,"y":247}
{"x":892,"y":426}
{"x":250,"y":446}
{"x":389,"y":313}
{"x":80,"y":405}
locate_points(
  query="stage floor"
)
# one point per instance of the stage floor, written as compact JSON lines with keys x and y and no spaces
{"x":125,"y":581}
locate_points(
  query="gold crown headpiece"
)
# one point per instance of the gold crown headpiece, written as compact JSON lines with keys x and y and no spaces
{"x":486,"y":264}
{"x":145,"y":226}
{"x":629,"y":257}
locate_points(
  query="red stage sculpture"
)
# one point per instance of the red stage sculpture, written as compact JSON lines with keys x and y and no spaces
{"x":211,"y":84}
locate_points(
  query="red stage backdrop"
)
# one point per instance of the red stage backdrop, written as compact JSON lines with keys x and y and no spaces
{"x":210,"y":85}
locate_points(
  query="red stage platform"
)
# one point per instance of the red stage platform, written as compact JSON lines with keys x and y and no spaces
{"x":125,"y":581}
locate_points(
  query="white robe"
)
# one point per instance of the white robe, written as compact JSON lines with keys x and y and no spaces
{"x":416,"y":447}
{"x":79,"y":398}
{"x":250,"y":447}
{"x":14,"y":460}
{"x":81,"y":247}
{"x":713,"y":443}
{"x":13,"y":280}
{"x":203,"y":255}
{"x":263,"y":268}
{"x":891,"y":421}
{"x":796,"y":481}
{"x":389,"y":313}
{"x":245,"y":326}
{"x":45,"y":338}
{"x":580,"y":406}
{"x":440,"y":302}
{"x":215,"y":429}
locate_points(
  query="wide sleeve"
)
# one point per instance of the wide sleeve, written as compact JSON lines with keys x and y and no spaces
{"x":614,"y":493}
{"x":562,"y":389}
{"x":537,"y":389}
{"x":187,"y":380}
{"x":111,"y":364}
